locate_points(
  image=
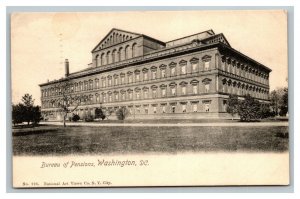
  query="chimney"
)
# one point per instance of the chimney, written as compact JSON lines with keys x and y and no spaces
{"x":66,"y":67}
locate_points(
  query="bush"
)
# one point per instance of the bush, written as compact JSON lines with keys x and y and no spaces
{"x":249,"y":109}
{"x":99,"y":113}
{"x":89,"y":118}
{"x":122,"y":113}
{"x":265,"y":111}
{"x":75,"y":118}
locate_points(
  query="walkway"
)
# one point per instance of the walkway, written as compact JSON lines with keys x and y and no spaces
{"x":240,"y":124}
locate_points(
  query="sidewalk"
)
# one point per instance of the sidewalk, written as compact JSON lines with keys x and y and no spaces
{"x":240,"y":124}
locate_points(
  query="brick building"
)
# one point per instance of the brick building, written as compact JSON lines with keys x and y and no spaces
{"x":190,"y":77}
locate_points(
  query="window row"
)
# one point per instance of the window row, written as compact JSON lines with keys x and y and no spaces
{"x":238,"y":88}
{"x":232,"y":66}
{"x":116,"y":55}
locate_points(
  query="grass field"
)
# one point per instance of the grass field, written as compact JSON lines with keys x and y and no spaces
{"x":122,"y":140}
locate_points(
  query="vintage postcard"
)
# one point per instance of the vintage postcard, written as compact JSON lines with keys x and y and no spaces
{"x":150,"y":98}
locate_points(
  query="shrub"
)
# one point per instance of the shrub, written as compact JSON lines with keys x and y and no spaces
{"x":99,"y":113}
{"x":75,"y":118}
{"x":249,"y":109}
{"x":122,"y":113}
{"x":89,"y":118}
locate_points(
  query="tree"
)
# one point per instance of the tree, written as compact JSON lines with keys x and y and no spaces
{"x":122,"y":113}
{"x":18,"y":113}
{"x":283,"y":102}
{"x":232,"y":105}
{"x":249,"y":109}
{"x":68,"y":103}
{"x":264,"y":111}
{"x":26,"y":111}
{"x":28,"y":106}
{"x":99,"y":113}
{"x":279,"y":101}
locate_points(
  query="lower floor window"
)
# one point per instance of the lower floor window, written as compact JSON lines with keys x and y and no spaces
{"x":195,"y":108}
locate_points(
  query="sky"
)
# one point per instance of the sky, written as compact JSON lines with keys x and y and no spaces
{"x":41,"y":41}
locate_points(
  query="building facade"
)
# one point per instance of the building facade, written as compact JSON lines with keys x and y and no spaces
{"x":190,"y":77}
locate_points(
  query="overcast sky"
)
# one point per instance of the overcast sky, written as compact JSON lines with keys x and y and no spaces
{"x":38,"y":49}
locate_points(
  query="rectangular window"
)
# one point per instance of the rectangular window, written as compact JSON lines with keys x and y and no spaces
{"x":154,"y":94}
{"x":184,"y":108}
{"x":194,"y":67}
{"x":123,"y":96}
{"x":173,"y":91}
{"x":109,"y":82}
{"x":163,"y":92}
{"x":137,"y":77}
{"x":104,"y":98}
{"x":206,"y":107}
{"x":123,"y":80}
{"x":183,"y":69}
{"x":110,"y":98}
{"x":130,"y":95}
{"x":146,"y":94}
{"x":183,"y":90}
{"x":116,"y":81}
{"x":163,"y":109}
{"x":103,"y":83}
{"x":173,"y":109}
{"x":154,"y":109}
{"x":206,"y":88}
{"x":146,"y":110}
{"x":145,"y":76}
{"x":138,"y":111}
{"x":195,"y":107}
{"x":130,"y":78}
{"x":173,"y":71}
{"x":195,"y":89}
{"x":116,"y":96}
{"x":163,"y":73}
{"x":138,"y":95}
{"x":153,"y":74}
{"x":206,"y":65}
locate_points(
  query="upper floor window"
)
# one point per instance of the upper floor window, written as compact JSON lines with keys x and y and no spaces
{"x":130,"y":78}
{"x":163,"y":108}
{"x":109,"y":81}
{"x":123,"y":79}
{"x":146,"y":76}
{"x":154,"y":74}
{"x":173,"y":72}
{"x":103,"y":83}
{"x":163,"y":72}
{"x":173,"y":91}
{"x":206,"y":88}
{"x":130,"y":95}
{"x":116,"y":80}
{"x":183,"y":90}
{"x":206,"y":60}
{"x":195,"y":89}
{"x":97,"y":83}
{"x":183,"y":69}
{"x":163,"y":92}
{"x":91,"y":85}
{"x":146,"y":93}
{"x":137,"y":77}
{"x":154,"y":93}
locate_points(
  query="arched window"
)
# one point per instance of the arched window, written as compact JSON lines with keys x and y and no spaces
{"x":97,"y":60}
{"x":121,"y":56}
{"x":102,"y":59}
{"x":108,"y":58}
{"x":114,"y":56}
{"x":134,"y":50}
{"x":127,"y":52}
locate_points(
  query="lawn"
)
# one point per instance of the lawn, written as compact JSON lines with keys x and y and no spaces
{"x":122,"y":140}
